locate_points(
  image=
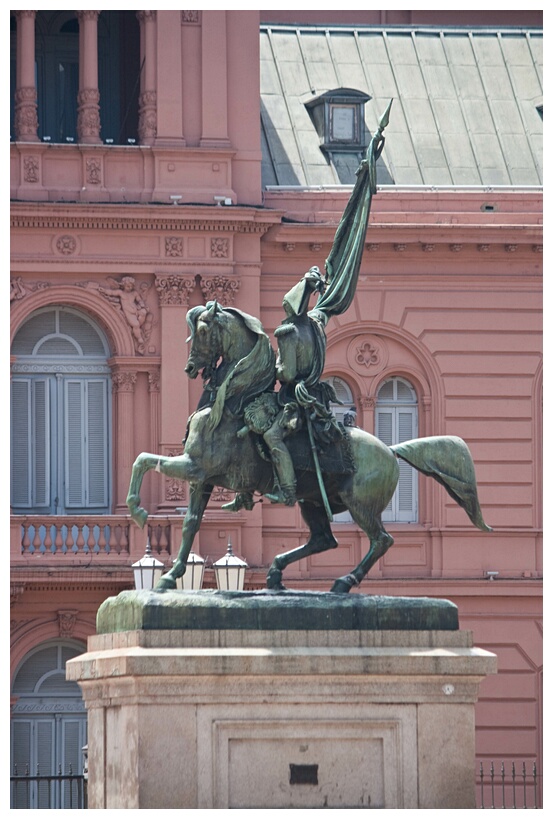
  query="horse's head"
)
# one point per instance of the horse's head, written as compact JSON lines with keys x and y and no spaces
{"x":205,"y":338}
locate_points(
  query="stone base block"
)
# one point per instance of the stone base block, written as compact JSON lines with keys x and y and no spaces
{"x":268,"y":718}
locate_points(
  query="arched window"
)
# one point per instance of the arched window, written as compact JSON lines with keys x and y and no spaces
{"x":396,"y":420}
{"x":48,"y":726}
{"x":344,"y":394}
{"x":60,"y":410}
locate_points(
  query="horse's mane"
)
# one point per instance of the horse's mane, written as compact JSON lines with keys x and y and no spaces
{"x":252,"y":375}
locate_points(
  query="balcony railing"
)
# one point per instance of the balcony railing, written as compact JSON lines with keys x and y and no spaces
{"x":64,"y":540}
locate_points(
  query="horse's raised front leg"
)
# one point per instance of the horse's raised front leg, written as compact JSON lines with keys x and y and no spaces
{"x":143,"y":464}
{"x":180,"y":466}
{"x":199,"y":498}
{"x":320,"y":540}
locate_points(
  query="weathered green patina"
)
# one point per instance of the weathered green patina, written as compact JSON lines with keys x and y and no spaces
{"x":273,"y":611}
{"x":235,"y":439}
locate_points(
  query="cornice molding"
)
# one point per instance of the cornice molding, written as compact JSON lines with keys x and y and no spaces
{"x":208,"y":222}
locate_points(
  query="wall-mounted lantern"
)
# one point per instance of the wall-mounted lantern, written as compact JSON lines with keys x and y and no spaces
{"x":230,"y":571}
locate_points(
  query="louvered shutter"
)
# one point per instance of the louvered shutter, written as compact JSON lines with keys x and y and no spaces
{"x":30,"y":440}
{"x":385,"y":431}
{"x":393,"y":426}
{"x":86,"y":454}
{"x":405,"y":495}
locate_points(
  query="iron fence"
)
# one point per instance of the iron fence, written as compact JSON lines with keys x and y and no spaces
{"x":48,"y":791}
{"x":503,"y":785}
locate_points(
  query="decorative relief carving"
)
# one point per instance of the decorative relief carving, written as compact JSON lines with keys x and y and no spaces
{"x":455,"y":248}
{"x":367,"y":354}
{"x":174,"y":289}
{"x":399,"y":247}
{"x":221,"y":495}
{"x":129,"y":300}
{"x":510,"y":248}
{"x":66,"y":622}
{"x":88,"y":118}
{"x":124,"y":381}
{"x":88,"y":15}
{"x":146,"y":16}
{"x":220,"y":288}
{"x":16,"y":590}
{"x":174,"y":246}
{"x":26,"y":119}
{"x":289,"y":247}
{"x":66,"y":245}
{"x":219,"y":248}
{"x":19,"y":288}
{"x":175,"y":490}
{"x":483,"y":248}
{"x":93,"y":171}
{"x":189,"y":17}
{"x":30,"y":169}
{"x":153,"y":381}
{"x":147,"y":116}
{"x":315,"y":247}
{"x":366,"y":402}
{"x":427,"y":248}
{"x":537,"y":248}
{"x":372,"y":246}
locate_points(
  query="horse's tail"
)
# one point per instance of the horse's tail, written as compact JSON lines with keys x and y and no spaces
{"x":447,"y":459}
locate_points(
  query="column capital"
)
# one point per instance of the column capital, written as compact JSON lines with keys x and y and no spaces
{"x":124,"y":381}
{"x":87,"y":15}
{"x":174,"y":289}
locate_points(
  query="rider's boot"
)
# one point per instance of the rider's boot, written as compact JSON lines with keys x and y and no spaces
{"x":285,"y":484}
{"x":243,"y":500}
{"x":283,"y":494}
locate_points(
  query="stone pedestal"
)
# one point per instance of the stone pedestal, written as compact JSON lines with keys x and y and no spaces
{"x":343,"y":715}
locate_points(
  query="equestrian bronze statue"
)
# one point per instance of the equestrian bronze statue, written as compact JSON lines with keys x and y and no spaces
{"x":237,"y":437}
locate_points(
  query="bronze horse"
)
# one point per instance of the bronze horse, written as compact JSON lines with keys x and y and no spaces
{"x":235,"y":354}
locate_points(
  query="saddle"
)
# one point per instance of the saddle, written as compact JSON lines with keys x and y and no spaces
{"x":331,"y":440}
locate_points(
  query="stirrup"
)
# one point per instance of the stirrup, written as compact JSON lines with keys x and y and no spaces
{"x":284,"y":494}
{"x":243,"y":500}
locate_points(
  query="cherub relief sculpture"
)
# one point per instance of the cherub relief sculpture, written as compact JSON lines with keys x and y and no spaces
{"x":125,"y":296}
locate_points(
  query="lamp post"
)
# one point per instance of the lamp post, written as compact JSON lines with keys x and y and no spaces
{"x":230,"y":571}
{"x":193,"y":577}
{"x":147,"y":570}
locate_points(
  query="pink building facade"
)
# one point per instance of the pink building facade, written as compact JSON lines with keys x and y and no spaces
{"x":130,"y":207}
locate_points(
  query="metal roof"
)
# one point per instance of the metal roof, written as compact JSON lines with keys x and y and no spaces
{"x":466,"y":111}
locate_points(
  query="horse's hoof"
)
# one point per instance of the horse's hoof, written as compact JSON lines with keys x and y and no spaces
{"x":140,"y":517}
{"x":166,"y":583}
{"x":274,"y":580}
{"x":344,"y":584}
